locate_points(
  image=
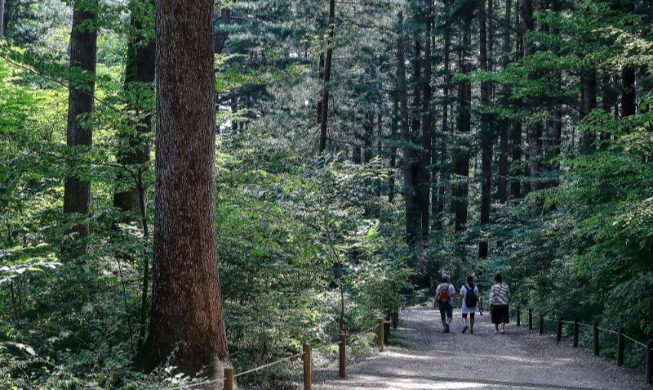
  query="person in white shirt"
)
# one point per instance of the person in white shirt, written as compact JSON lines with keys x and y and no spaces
{"x":444,"y":294}
{"x":499,"y":300}
{"x":470,"y":302}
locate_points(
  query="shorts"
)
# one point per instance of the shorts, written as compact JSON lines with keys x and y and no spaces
{"x":446,"y":310}
{"x":500,"y":314}
{"x":471,"y":315}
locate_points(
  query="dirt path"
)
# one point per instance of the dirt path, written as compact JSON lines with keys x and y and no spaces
{"x":424,"y":358}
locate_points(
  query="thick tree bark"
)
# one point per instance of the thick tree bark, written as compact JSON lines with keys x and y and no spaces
{"x":412,"y":209}
{"x":83,"y":49}
{"x":186,"y":304}
{"x":461,"y":154}
{"x":609,"y":104}
{"x":368,"y":127}
{"x":587,"y":104}
{"x":427,"y":126}
{"x":327,"y":76}
{"x":516,"y":136}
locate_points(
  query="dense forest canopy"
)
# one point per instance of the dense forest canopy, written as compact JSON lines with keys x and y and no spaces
{"x":357,"y":151}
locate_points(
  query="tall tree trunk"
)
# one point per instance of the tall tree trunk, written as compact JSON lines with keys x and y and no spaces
{"x":502,"y":182}
{"x":628,"y":107}
{"x":367,"y":137}
{"x":516,"y":136}
{"x":555,"y":139}
{"x":327,"y":76}
{"x":186,"y":305}
{"x":486,"y":132}
{"x":427,"y":125}
{"x":438,"y":214}
{"x":139,"y":77}
{"x":416,"y":120}
{"x":83,"y":49}
{"x":2,"y":18}
{"x":461,"y":154}
{"x":394,"y":127}
{"x":587,"y":104}
{"x":608,"y":104}
{"x":221,"y":36}
{"x":412,"y":209}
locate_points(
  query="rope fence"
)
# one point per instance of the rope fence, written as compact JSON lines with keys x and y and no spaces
{"x":621,"y":337}
{"x":230,"y":376}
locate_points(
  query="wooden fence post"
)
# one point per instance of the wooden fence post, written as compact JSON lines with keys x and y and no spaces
{"x":228,"y":379}
{"x":307,"y":367}
{"x":649,"y":362}
{"x":341,"y":370}
{"x":576,"y":329}
{"x":559,"y":335}
{"x":395,"y":319}
{"x":541,"y":325}
{"x":379,"y":331}
{"x":530,"y":319}
{"x":596,"y":338}
{"x":518,"y":316}
{"x":620,"y":347}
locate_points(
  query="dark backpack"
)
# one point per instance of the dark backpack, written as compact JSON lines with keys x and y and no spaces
{"x":471,"y":299}
{"x":444,"y":295}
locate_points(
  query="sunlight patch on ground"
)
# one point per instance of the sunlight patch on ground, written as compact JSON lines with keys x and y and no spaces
{"x":407,"y":384}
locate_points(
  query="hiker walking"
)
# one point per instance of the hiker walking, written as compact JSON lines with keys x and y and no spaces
{"x":470,"y":303}
{"x":444,"y":294}
{"x":499,"y":300}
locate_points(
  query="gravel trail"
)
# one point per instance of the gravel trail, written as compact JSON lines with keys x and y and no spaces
{"x":424,"y":358}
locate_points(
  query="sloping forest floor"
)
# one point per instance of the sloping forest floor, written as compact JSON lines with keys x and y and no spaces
{"x":420,"y":357}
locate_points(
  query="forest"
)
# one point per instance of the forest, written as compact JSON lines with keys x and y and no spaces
{"x":186,"y":185}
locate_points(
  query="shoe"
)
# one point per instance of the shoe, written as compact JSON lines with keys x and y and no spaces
{"x":471,"y":331}
{"x":465,"y":328}
{"x":503,"y":331}
{"x":446,"y":328}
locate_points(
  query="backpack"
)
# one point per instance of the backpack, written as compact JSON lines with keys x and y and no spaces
{"x":444,"y":295}
{"x":471,"y":299}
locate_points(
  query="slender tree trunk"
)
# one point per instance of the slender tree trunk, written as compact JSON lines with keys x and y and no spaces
{"x":628,"y":107}
{"x":221,"y":36}
{"x":139,"y":76}
{"x":427,"y":126}
{"x":2,"y":18}
{"x":608,"y":104}
{"x":416,"y":120}
{"x":327,"y":76}
{"x":587,"y":104}
{"x":412,"y":209}
{"x":461,"y":154}
{"x":516,"y":136}
{"x":367,"y":137}
{"x":502,"y":182}
{"x":438,"y":214}
{"x":394,"y":127}
{"x":486,"y":133}
{"x":83,"y":49}
{"x":186,"y":304}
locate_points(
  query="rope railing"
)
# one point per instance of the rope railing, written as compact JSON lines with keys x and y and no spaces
{"x":621,"y":338}
{"x":230,"y":376}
